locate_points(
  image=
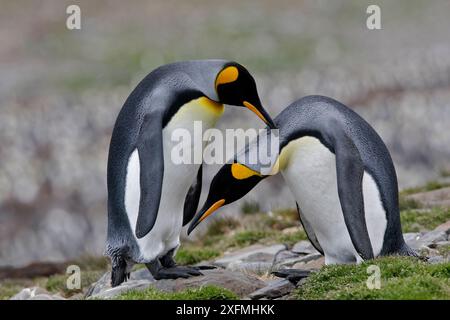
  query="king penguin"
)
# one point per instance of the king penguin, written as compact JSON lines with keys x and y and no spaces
{"x":150,"y":197}
{"x":340,"y":174}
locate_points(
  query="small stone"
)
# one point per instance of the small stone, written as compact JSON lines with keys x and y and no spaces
{"x":288,"y":263}
{"x":437,"y":259}
{"x":268,"y":252}
{"x":47,"y":297}
{"x":310,"y":265}
{"x":284,"y":255}
{"x":433,"y":237}
{"x":258,"y":268}
{"x":29,"y":293}
{"x":275,"y":289}
{"x":303,"y":247}
{"x":444,"y":227}
{"x":124,"y":287}
{"x":440,"y":244}
{"x":420,"y":240}
{"x":434,"y":198}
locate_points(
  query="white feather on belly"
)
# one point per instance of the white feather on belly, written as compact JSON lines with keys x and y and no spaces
{"x":177,"y":179}
{"x":309,"y":169}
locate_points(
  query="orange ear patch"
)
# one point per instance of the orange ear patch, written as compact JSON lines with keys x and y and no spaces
{"x":241,"y":172}
{"x":227,"y":75}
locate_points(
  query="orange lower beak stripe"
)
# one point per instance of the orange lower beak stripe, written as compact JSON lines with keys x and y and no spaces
{"x":253,"y":108}
{"x":211,"y":209}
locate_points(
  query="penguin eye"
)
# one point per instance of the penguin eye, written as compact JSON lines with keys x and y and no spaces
{"x":241,"y":172}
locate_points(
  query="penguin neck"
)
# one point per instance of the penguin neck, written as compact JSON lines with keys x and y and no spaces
{"x":201,"y":109}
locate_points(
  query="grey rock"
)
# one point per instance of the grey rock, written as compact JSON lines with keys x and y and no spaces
{"x":258,"y":268}
{"x":420,"y":240}
{"x":109,"y":293}
{"x":275,"y":289}
{"x":444,"y":227}
{"x":411,"y":237}
{"x":304,"y":247}
{"x":438,"y":259}
{"x":142,"y":274}
{"x":137,"y":278}
{"x":285,"y":254}
{"x":240,"y":283}
{"x":35,"y":293}
{"x":27,"y":293}
{"x":47,"y":297}
{"x":249,"y":254}
{"x":434,"y":198}
{"x":288,"y":263}
{"x":440,"y":244}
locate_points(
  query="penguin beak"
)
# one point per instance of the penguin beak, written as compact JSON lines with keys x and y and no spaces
{"x":204,"y":213}
{"x":261,"y":113}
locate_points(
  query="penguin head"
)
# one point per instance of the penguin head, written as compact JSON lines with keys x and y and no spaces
{"x":232,"y":182}
{"x":236,"y":86}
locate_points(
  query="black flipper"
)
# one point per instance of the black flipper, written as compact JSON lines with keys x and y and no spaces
{"x":350,"y":171}
{"x":192,"y":198}
{"x":151,"y":158}
{"x":309,"y":231}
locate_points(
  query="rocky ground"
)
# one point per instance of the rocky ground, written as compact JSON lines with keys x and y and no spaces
{"x":245,"y":268}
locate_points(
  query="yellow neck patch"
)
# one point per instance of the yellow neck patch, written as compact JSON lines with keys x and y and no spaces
{"x":241,"y":172}
{"x":211,"y":105}
{"x":227,"y":75}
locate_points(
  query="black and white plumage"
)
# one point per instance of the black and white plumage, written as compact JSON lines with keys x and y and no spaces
{"x":341,"y":175}
{"x":149,"y":196}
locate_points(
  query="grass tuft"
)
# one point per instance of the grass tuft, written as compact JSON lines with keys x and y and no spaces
{"x":191,"y":255}
{"x":415,"y":220}
{"x":202,"y":293}
{"x":401,"y":278}
{"x":430,"y":186}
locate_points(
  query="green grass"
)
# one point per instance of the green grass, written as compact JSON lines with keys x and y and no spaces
{"x":221,"y":226}
{"x":9,"y":288}
{"x":202,"y":293}
{"x":415,"y":221}
{"x":250,"y":207}
{"x":430,"y":186}
{"x":191,"y":255}
{"x":292,"y":238}
{"x":58,"y":283}
{"x":407,"y":204}
{"x":401,"y":278}
{"x":444,"y":250}
{"x":249,"y":237}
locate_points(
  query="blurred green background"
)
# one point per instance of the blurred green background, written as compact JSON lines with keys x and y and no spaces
{"x":60,"y":91}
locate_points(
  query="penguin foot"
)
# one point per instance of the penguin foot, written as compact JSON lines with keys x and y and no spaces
{"x":119,"y":273}
{"x":293,"y":275}
{"x":176,"y":272}
{"x":205,"y":267}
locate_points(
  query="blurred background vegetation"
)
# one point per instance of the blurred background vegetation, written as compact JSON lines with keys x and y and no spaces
{"x":61,"y":90}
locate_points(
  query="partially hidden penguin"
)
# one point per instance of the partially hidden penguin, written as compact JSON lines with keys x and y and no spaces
{"x":340,"y":173}
{"x":150,"y":198}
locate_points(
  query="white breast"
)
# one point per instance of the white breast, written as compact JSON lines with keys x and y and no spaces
{"x":177,"y":180}
{"x":309,"y":169}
